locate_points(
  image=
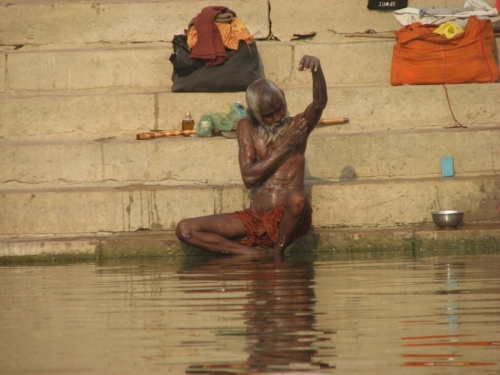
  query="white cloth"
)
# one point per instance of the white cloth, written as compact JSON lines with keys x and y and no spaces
{"x":479,"y":8}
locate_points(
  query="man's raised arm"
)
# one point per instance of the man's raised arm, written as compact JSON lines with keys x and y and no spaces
{"x":313,"y":112}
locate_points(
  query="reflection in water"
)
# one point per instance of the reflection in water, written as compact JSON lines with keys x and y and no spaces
{"x":356,"y":314}
{"x":448,"y":276}
{"x":279,"y":314}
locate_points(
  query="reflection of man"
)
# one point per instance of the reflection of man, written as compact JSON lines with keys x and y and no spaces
{"x":278,"y":308}
{"x":272,"y":149}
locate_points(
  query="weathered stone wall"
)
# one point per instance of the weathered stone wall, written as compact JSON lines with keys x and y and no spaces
{"x":79,"y":79}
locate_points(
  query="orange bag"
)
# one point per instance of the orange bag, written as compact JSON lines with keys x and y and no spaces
{"x":421,"y":57}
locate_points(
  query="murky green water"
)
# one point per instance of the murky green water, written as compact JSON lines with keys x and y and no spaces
{"x":399,"y":314}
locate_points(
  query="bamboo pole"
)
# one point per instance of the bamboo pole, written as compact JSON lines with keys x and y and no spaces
{"x":333,"y":121}
{"x":174,"y":133}
{"x":169,"y":133}
{"x":324,"y":122}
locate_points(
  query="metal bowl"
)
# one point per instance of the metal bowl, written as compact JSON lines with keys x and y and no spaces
{"x":447,"y":219}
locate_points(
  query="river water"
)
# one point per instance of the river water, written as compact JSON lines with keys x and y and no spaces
{"x":377,"y":313}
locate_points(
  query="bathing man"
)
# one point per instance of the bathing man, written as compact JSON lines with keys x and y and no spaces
{"x":272,"y":148}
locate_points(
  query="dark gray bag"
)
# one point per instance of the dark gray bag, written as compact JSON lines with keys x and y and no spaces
{"x":240,"y":69}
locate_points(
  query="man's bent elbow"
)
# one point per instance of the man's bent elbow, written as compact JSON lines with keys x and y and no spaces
{"x":249,"y":182}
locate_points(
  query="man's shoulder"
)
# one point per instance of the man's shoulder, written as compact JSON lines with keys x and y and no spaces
{"x":245,"y":124}
{"x":245,"y":121}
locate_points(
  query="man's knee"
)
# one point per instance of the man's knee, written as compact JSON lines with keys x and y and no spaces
{"x":298,"y":202}
{"x":184,"y":230}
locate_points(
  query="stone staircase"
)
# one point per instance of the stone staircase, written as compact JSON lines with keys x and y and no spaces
{"x":78,"y":81}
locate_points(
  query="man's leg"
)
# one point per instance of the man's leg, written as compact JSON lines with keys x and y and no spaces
{"x":296,"y":211}
{"x":215,"y":233}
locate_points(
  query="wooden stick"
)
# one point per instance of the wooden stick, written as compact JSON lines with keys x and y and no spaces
{"x":333,"y":121}
{"x":169,"y":133}
{"x":325,"y":121}
{"x":371,"y":36}
{"x":173,"y":133}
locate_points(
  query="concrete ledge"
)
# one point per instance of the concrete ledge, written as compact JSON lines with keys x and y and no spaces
{"x":330,"y":18}
{"x":76,"y":117}
{"x":68,"y":70}
{"x":142,"y":67}
{"x":364,"y":156}
{"x":104,"y":22}
{"x":376,"y":203}
{"x":176,"y":161}
{"x":189,"y":161}
{"x":391,"y":201}
{"x":369,"y":109}
{"x":82,"y":211}
{"x":349,"y":61}
{"x":412,"y":239}
{"x":65,"y":21}
{"x":2,"y":71}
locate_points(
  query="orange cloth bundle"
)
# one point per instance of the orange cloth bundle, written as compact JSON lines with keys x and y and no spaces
{"x":231,"y":34}
{"x":422,"y":57}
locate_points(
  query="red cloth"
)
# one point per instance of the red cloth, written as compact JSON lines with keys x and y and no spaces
{"x":209,"y":46}
{"x":262,"y":230}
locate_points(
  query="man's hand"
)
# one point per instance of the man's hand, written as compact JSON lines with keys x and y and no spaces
{"x":309,"y":63}
{"x":296,"y":133}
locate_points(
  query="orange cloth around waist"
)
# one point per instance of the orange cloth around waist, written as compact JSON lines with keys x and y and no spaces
{"x":262,"y":229}
{"x":231,"y":34}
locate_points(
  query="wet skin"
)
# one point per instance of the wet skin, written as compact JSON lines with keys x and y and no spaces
{"x":274,"y":173}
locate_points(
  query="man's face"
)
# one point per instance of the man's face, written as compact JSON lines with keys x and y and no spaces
{"x":272,"y":115}
{"x":274,"y":120}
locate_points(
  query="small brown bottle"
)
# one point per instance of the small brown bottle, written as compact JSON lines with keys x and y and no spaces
{"x":187,"y":123}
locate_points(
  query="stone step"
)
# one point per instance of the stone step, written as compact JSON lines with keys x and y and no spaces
{"x":111,"y":21}
{"x":125,"y":68}
{"x":329,"y":19}
{"x":146,"y":68}
{"x":179,"y":161}
{"x":369,"y":108}
{"x":140,"y":244}
{"x":375,"y":203}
